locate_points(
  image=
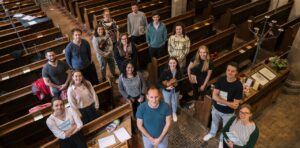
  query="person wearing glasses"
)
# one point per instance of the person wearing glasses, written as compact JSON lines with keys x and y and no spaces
{"x":242,"y":127}
{"x":226,"y":97}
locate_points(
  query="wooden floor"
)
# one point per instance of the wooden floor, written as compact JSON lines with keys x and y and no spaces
{"x":279,"y":125}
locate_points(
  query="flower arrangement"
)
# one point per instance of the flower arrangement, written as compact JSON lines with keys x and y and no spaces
{"x":278,"y":63}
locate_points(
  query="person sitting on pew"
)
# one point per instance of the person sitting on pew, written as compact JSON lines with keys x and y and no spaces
{"x":199,"y":72}
{"x":136,"y":24}
{"x":226,"y":96}
{"x":103,"y":47}
{"x":154,"y":120}
{"x":78,"y":56}
{"x":171,"y":88}
{"x":110,"y":26}
{"x":83,"y":98}
{"x":156,"y":36}
{"x":243,"y":127}
{"x":65,"y":124}
{"x":56,"y":75}
{"x":132,"y":86}
{"x":179,"y":45}
{"x":125,"y":51}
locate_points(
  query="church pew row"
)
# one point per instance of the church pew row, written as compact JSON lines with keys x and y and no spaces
{"x":80,"y":6}
{"x":7,"y":24}
{"x":217,"y":8}
{"x":281,"y":15}
{"x":195,"y":32}
{"x":26,"y":10}
{"x":274,"y":43}
{"x":288,"y":38}
{"x":71,"y":5}
{"x":29,"y":40}
{"x":17,"y":5}
{"x":10,"y":1}
{"x":124,"y":112}
{"x":187,"y":19}
{"x":216,"y":43}
{"x":240,"y":14}
{"x":37,"y":132}
{"x":122,"y":13}
{"x":89,"y":12}
{"x":7,"y":62}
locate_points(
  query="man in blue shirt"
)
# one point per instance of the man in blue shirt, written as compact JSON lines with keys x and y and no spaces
{"x":154,"y":120}
{"x":78,"y":56}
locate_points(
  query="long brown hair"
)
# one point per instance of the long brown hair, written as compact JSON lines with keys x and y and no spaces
{"x":96,"y":34}
{"x":182,"y":26}
{"x":248,"y":106}
{"x":197,"y":59}
{"x":84,"y":81}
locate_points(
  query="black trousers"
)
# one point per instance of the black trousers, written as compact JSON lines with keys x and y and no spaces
{"x":196,"y":92}
{"x":75,"y":141}
{"x":138,"y":39}
{"x":156,"y":52}
{"x":88,"y":113}
{"x":90,"y":74}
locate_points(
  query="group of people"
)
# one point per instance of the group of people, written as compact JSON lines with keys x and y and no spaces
{"x":154,"y":107}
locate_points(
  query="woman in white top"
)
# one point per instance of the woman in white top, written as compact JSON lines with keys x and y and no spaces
{"x":82,"y":97}
{"x":65,"y":124}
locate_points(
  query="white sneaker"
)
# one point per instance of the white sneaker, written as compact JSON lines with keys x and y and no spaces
{"x":174,"y":117}
{"x":207,"y":137}
{"x":221,"y":144}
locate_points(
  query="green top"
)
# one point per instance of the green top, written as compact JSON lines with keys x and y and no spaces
{"x":253,"y":137}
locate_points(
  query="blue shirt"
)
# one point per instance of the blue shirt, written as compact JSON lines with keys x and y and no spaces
{"x":156,"y":37}
{"x":78,"y":57}
{"x":154,"y":119}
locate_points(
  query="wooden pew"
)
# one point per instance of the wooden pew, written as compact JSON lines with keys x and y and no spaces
{"x":195,"y":32}
{"x":281,"y":15}
{"x":29,"y":40}
{"x":217,"y":8}
{"x":80,"y":6}
{"x":7,"y":62}
{"x":26,"y":10}
{"x":89,"y":12}
{"x":288,"y":38}
{"x":124,"y":112}
{"x":10,"y":33}
{"x":123,"y":13}
{"x":240,"y":14}
{"x":7,"y":24}
{"x":216,"y":43}
{"x":274,"y":43}
{"x":18,"y":5}
{"x":12,"y":133}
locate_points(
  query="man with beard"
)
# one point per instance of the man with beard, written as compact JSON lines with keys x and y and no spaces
{"x":56,"y":74}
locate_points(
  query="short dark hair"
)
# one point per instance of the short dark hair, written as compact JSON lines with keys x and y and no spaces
{"x":182,"y":26}
{"x":76,"y":29}
{"x":49,"y":50}
{"x":55,"y":99}
{"x":134,"y":3}
{"x":233,"y":64}
{"x":154,"y":13}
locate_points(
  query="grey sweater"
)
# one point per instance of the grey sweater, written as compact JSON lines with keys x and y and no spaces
{"x":136,"y":23}
{"x":132,"y":87}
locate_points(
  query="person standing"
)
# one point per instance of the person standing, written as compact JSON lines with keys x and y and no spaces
{"x":136,"y":24}
{"x":179,"y":45}
{"x":171,"y":91}
{"x":56,"y":75}
{"x":103,"y":47}
{"x":154,"y":120}
{"x":199,"y":72}
{"x":243,"y":127}
{"x":78,"y":56}
{"x":110,"y":25}
{"x":83,"y":98}
{"x":226,"y":96}
{"x":156,"y":37}
{"x":132,"y":86}
{"x":65,"y":124}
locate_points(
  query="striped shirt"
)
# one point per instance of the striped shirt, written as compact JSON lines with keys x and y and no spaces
{"x":242,"y":131}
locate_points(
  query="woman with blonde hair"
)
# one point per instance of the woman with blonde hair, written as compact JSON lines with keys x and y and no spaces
{"x":82,"y":97}
{"x":242,"y":127}
{"x":199,"y":71}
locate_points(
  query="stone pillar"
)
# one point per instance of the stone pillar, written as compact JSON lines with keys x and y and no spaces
{"x":292,"y":84}
{"x":178,"y":7}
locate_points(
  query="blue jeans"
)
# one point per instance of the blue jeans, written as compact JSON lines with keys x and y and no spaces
{"x":171,"y":98}
{"x":217,"y":116}
{"x":103,"y":61}
{"x":148,"y":143}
